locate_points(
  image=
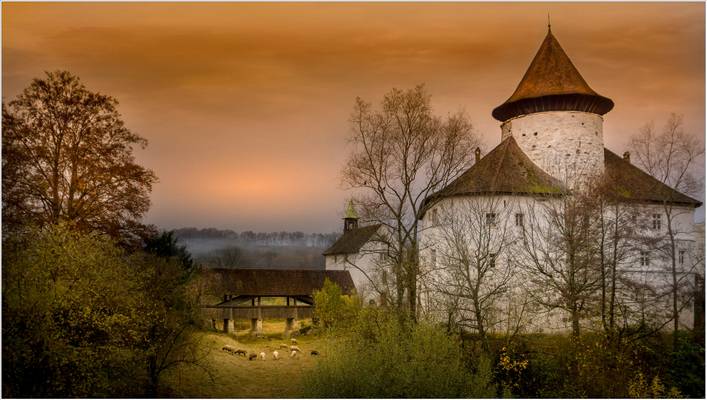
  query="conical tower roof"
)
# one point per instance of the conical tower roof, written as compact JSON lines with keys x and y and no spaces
{"x":552,"y":83}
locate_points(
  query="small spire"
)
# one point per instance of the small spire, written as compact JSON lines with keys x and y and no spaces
{"x":549,"y":27}
{"x":350,"y":211}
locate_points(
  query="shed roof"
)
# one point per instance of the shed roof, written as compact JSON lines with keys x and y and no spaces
{"x":279,"y":282}
{"x":352,"y":241}
{"x":552,"y":83}
{"x":630,"y":183}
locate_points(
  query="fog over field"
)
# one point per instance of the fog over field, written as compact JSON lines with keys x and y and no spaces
{"x":229,"y":249}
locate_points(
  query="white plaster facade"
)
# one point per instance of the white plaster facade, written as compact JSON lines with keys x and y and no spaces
{"x":646,"y":267}
{"x":364,"y":266}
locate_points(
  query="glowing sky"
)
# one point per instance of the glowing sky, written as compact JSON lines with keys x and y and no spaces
{"x":245,"y":106}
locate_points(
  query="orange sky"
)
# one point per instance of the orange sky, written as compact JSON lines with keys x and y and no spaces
{"x":245,"y":105}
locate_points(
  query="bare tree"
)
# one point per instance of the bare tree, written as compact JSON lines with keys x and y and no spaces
{"x":616,"y":232}
{"x":672,"y":157}
{"x":558,"y":249}
{"x":403,"y":154}
{"x":472,"y":240}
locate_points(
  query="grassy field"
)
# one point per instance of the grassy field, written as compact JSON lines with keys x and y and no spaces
{"x":235,"y":376}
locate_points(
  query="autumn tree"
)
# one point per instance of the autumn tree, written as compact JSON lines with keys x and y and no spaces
{"x":68,"y":157}
{"x":672,"y":156}
{"x":403,"y":153}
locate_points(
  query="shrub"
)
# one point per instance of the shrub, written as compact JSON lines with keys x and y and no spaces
{"x":384,"y":357}
{"x":332,"y":308}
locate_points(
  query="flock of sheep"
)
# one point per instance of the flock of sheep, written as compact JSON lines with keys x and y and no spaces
{"x":293,"y":349}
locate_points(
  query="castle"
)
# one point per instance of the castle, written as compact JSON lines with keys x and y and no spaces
{"x":551,"y":146}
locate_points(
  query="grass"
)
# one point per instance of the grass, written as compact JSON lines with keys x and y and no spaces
{"x":235,"y":376}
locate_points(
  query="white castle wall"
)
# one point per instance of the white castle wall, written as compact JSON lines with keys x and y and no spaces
{"x":568,"y":145}
{"x":656,"y":275}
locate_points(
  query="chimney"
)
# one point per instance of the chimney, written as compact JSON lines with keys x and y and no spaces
{"x":477,"y":154}
{"x":627,"y":156}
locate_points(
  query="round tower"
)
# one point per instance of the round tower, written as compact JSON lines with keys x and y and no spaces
{"x":555,"y":117}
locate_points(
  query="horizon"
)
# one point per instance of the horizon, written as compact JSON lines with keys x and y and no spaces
{"x":246,"y":105}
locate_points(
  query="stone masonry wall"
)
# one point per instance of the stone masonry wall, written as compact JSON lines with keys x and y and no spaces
{"x":568,"y":145}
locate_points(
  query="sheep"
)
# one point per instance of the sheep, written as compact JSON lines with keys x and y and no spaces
{"x":262,"y":355}
{"x":228,"y":349}
{"x":295,"y":348}
{"x":314,"y":353}
{"x":293,"y":354}
{"x":293,"y":340}
{"x":275,"y":355}
{"x":284,"y":346}
{"x":241,"y":352}
{"x":252,"y":356}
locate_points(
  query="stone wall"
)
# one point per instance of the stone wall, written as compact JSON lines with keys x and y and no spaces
{"x":568,"y":145}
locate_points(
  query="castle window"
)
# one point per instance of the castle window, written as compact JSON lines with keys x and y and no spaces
{"x":492,"y":260}
{"x":656,"y":222}
{"x":681,"y":257}
{"x":535,"y":134}
{"x":434,"y":218}
{"x":490,"y":218}
{"x":519,"y":219}
{"x":645,"y":261}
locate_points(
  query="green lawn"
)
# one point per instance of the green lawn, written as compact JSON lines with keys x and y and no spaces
{"x":235,"y":376}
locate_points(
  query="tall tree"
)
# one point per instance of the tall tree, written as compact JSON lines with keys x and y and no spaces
{"x":473,"y":238}
{"x":672,"y":156}
{"x":558,"y":248}
{"x":67,"y":156}
{"x":401,"y":155}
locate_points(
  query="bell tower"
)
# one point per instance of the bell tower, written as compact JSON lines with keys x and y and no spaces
{"x":350,"y":218}
{"x":556,"y":118}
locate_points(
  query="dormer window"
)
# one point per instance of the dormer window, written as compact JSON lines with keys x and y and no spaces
{"x":645,"y":261}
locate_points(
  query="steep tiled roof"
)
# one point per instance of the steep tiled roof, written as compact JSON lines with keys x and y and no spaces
{"x":552,"y":83}
{"x":631,"y":183}
{"x":352,"y":241}
{"x":504,"y":170}
{"x":278,"y":282}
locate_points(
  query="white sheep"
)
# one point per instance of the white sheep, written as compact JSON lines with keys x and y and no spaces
{"x":275,"y":355}
{"x":293,"y":354}
{"x":293,"y":340}
{"x":295,"y":348}
{"x":262,"y":355}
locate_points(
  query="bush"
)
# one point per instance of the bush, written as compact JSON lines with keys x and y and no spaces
{"x":82,"y":318}
{"x":384,"y":357}
{"x":333,"y":309}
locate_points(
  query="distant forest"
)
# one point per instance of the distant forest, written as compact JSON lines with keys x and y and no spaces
{"x":225,"y":248}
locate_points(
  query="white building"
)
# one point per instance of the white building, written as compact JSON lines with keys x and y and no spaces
{"x":361,"y":251}
{"x":552,"y":145}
